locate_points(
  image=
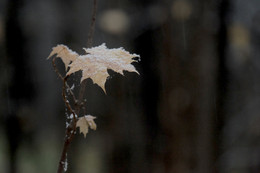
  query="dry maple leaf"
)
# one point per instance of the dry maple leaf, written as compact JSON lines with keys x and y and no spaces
{"x":86,"y":122}
{"x":98,"y":59}
{"x":63,"y":52}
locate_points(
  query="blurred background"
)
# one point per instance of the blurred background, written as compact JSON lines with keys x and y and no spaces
{"x":194,"y":108}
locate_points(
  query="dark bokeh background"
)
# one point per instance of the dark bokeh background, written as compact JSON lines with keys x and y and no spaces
{"x":195,"y":108}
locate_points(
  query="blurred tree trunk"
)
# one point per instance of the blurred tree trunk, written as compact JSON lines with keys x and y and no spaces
{"x":222,"y":77}
{"x":19,"y":86}
{"x":189,"y":78}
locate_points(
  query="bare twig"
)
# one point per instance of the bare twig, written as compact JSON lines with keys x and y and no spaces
{"x":65,"y":98}
{"x":89,"y":44}
{"x":92,"y":26}
{"x":71,"y":129}
{"x":62,"y":78}
{"x":71,"y":93}
{"x":68,"y":138}
{"x":56,"y":69}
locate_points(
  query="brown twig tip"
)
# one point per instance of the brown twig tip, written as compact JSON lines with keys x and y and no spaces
{"x":92,"y":26}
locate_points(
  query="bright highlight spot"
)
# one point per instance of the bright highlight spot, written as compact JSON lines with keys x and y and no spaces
{"x":114,"y":21}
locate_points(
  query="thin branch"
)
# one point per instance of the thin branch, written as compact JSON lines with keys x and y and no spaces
{"x":70,"y":131}
{"x":92,"y":26}
{"x":64,"y":96}
{"x":69,"y":136}
{"x":56,"y":69}
{"x":89,"y":44}
{"x":62,"y":78}
{"x":71,"y":93}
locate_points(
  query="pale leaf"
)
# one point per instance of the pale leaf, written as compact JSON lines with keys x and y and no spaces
{"x":63,"y":52}
{"x":98,"y":59}
{"x":86,"y":122}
